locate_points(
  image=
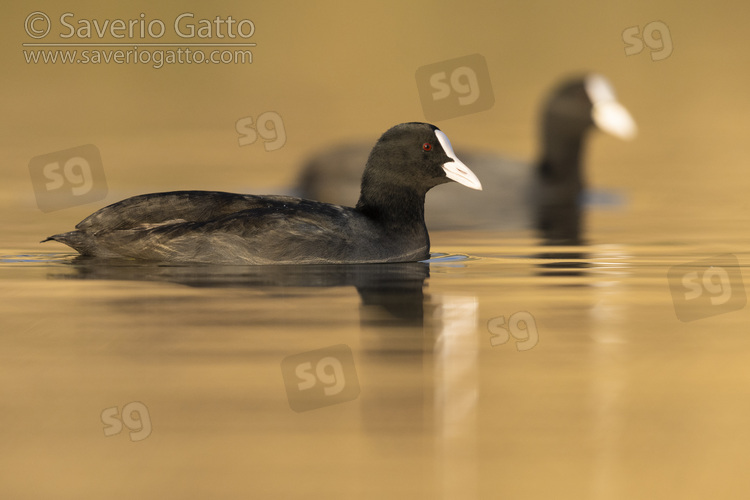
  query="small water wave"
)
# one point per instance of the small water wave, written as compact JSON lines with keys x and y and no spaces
{"x":37,"y":258}
{"x":449,"y":259}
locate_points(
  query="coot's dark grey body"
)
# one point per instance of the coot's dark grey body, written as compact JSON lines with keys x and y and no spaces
{"x":546,"y":194}
{"x":387,"y":224}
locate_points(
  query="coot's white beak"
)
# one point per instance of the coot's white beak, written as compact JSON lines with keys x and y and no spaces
{"x":613,"y":118}
{"x":456,"y":170}
{"x":608,"y":114}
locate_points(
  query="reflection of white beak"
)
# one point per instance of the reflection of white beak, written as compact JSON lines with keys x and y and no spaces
{"x":456,"y":170}
{"x":608,"y":114}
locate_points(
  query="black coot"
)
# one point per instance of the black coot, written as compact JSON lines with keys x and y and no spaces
{"x":545,"y":195}
{"x":387,"y":224}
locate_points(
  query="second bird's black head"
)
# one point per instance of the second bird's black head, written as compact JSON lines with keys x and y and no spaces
{"x":583,"y":102}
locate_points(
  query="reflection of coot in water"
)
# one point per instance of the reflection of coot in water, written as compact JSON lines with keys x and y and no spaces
{"x":545,"y":195}
{"x":387,"y":224}
{"x":396,"y":291}
{"x":393,"y":291}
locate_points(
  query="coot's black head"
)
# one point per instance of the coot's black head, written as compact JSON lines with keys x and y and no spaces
{"x":415,"y":157}
{"x":580,"y":103}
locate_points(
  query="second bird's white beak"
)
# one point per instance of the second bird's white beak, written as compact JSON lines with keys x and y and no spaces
{"x":608,"y":114}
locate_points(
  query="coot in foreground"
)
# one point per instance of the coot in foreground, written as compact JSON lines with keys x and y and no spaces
{"x":545,"y":194}
{"x":387,"y":224}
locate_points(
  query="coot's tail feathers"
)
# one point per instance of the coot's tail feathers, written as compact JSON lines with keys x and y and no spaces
{"x":77,"y":240}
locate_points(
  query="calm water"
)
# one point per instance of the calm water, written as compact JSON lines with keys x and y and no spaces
{"x":499,"y":369}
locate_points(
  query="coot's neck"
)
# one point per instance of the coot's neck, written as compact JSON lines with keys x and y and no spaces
{"x":393,"y":205}
{"x":560,"y":165}
{"x":561,"y":183}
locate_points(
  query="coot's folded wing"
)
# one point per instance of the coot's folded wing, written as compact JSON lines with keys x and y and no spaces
{"x":178,"y":206}
{"x":297,"y":231}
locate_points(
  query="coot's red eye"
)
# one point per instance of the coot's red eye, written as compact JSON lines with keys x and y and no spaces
{"x":427,"y":146}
